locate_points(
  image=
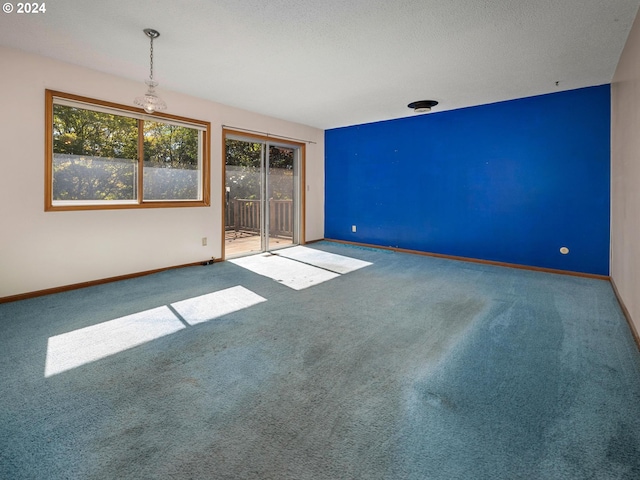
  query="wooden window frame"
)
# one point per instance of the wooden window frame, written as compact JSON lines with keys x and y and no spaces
{"x":140,"y":115}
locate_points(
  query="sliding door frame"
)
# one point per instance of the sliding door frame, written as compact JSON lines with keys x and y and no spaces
{"x":266,"y":139}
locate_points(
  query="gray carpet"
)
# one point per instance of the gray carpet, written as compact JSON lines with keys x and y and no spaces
{"x":409,"y":368}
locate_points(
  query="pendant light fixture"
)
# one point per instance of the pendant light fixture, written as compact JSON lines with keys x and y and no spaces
{"x":422,"y":106}
{"x":150,"y":101}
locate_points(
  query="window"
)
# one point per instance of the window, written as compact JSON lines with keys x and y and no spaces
{"x":102,"y":155}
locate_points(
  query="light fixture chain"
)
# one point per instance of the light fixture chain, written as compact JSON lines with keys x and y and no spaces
{"x":151,"y":60}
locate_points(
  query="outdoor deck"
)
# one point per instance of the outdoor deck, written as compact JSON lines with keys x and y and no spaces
{"x":243,"y":223}
{"x":242,"y":242}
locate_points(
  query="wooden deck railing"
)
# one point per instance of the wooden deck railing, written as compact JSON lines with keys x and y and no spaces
{"x":244,"y":215}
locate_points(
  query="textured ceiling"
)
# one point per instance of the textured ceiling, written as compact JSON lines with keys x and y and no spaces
{"x":330,"y":63}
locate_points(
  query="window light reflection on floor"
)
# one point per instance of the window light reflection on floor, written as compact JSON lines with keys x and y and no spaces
{"x":80,"y":347}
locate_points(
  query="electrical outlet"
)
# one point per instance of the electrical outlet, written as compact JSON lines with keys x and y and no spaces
{"x":353,"y":228}
{"x":204,"y":241}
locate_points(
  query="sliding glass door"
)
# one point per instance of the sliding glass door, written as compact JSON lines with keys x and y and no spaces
{"x":262,"y":195}
{"x":244,"y":199}
{"x":281,"y":194}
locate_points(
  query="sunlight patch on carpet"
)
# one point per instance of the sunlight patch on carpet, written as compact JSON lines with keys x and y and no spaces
{"x":293,"y":274}
{"x":85,"y":345}
{"x":79,"y":347}
{"x":213,"y":305}
{"x":328,"y":261}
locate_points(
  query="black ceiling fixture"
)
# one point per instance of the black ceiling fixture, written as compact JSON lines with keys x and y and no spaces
{"x":422,"y":106}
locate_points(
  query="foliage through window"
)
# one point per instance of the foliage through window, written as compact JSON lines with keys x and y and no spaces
{"x":111,"y":156}
{"x":243,"y":161}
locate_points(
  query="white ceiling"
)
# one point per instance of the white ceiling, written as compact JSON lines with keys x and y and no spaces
{"x":330,"y":63}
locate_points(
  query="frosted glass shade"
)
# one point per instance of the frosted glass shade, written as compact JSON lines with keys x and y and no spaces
{"x":150,"y":101}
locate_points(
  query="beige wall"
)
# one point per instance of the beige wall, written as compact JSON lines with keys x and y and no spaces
{"x":41,"y":250}
{"x":625,"y":175}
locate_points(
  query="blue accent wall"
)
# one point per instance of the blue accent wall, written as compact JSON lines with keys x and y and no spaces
{"x":509,"y":182}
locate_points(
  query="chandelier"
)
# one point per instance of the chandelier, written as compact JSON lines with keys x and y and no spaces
{"x":150,"y":101}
